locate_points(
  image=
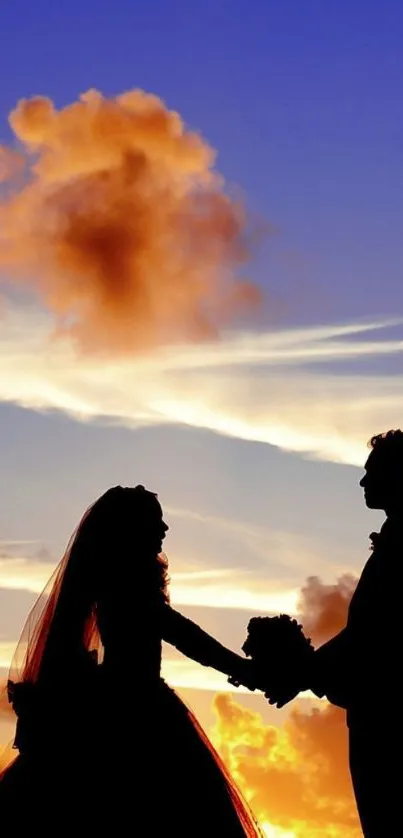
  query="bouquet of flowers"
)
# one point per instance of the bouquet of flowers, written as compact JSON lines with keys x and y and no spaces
{"x":282,"y":656}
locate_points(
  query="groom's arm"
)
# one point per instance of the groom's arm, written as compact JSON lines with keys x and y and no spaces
{"x":330,"y":668}
{"x":336,"y":663}
{"x":324,"y":675}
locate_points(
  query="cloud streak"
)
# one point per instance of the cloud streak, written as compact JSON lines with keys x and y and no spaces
{"x":209,"y":588}
{"x":261,"y":547}
{"x":23,"y":574}
{"x":299,"y":390}
{"x":7,"y":649}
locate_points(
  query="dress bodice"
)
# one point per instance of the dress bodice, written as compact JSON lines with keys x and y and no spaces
{"x":73,"y":706}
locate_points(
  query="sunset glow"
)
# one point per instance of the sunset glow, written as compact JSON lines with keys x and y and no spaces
{"x":201,"y":294}
{"x":295,"y":778}
{"x":276,"y":832}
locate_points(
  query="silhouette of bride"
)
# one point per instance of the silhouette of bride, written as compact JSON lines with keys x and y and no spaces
{"x":103,"y":741}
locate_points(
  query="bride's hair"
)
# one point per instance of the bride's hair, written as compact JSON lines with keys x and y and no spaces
{"x":64,"y":623}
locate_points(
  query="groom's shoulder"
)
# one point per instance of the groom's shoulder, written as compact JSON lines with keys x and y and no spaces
{"x":385,"y":544}
{"x":387,"y":548}
{"x":391,"y":533}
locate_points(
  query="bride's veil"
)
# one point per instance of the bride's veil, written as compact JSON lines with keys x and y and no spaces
{"x":63,"y":615}
{"x":61,"y":636}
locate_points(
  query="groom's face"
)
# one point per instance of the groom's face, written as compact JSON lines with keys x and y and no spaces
{"x":382,"y":489}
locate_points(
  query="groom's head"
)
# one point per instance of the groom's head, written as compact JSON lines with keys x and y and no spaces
{"x":383,"y":478}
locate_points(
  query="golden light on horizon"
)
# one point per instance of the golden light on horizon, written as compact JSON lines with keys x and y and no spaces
{"x":276,"y":832}
{"x":294,"y":777}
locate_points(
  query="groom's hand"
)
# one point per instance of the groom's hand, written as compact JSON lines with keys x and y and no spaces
{"x":280,"y":699}
{"x":287,"y":687}
{"x":246,"y":676}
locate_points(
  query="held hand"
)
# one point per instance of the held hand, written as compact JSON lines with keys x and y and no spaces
{"x":284,"y":689}
{"x":282,"y":657}
{"x":245,"y":676}
{"x":280,"y":698}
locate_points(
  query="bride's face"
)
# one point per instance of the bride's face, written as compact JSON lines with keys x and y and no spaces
{"x":141,"y":533}
{"x":151,"y":528}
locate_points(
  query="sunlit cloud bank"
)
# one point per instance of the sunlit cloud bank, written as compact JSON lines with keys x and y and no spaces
{"x":302,"y":390}
{"x":295,"y":777}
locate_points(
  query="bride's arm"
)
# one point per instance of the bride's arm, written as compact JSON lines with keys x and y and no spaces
{"x":195,"y":643}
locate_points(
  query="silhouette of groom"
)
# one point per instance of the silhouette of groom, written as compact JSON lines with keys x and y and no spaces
{"x":359,"y":668}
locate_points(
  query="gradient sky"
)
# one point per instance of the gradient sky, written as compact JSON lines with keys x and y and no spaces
{"x":255,"y":459}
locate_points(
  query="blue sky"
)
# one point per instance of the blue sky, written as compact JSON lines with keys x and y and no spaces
{"x":303,"y":104}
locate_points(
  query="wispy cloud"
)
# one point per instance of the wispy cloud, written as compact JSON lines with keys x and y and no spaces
{"x":232,"y":589}
{"x":259,"y":548}
{"x":7,"y":649}
{"x":236,"y":589}
{"x":24,"y":574}
{"x":6,"y":543}
{"x":302,"y":390}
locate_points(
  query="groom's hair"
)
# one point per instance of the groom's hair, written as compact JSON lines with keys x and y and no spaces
{"x":389,"y":445}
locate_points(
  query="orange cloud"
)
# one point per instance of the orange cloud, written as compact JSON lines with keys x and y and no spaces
{"x":113,"y":215}
{"x":295,"y":778}
{"x":323,"y":608}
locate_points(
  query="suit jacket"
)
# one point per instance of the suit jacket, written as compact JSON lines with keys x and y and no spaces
{"x":358,"y":669}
